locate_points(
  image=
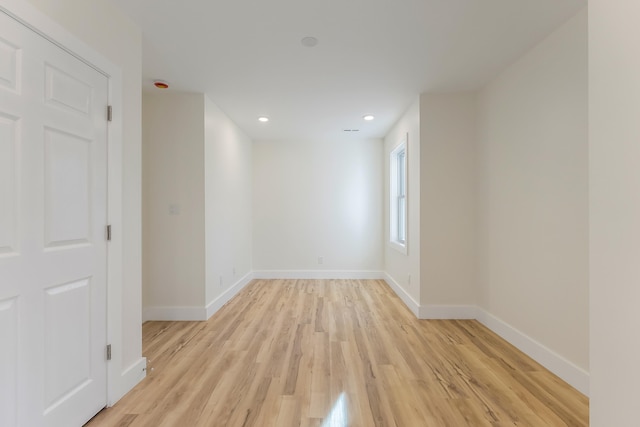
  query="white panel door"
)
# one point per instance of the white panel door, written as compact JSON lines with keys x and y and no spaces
{"x":53,"y":171}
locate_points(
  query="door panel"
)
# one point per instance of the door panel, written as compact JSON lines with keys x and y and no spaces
{"x":68,"y":341}
{"x":8,"y":181}
{"x":53,"y":253}
{"x":8,"y":361}
{"x":9,"y":65}
{"x":67,"y":165}
{"x":67,"y":92}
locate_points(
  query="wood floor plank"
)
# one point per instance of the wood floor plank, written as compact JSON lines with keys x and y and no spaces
{"x":337,"y":353}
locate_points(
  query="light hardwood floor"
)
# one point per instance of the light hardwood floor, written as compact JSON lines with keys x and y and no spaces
{"x":337,"y":353}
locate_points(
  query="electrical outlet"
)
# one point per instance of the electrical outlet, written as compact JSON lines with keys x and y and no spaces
{"x":234,"y":271}
{"x":320,"y":260}
{"x":220,"y":280}
{"x":408,"y":279}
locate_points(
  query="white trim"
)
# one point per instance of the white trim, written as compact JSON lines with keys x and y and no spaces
{"x":195,"y":313}
{"x":563,"y":368}
{"x":403,"y":295}
{"x":403,"y":145}
{"x":190,"y":314}
{"x":319,"y":274}
{"x":398,"y":247}
{"x":42,"y":24}
{"x":432,"y":311}
{"x":129,"y":379}
{"x":569,"y":372}
{"x":226,"y":296}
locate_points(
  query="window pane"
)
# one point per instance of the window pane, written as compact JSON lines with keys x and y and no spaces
{"x":398,"y":197}
{"x":402,"y":229}
{"x":401,"y":174}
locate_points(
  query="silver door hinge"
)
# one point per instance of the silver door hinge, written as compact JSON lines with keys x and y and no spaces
{"x":108,"y":233}
{"x":109,"y":113}
{"x":108,"y":351}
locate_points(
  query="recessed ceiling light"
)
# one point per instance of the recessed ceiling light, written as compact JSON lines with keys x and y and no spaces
{"x":263,"y":119}
{"x":309,"y":41}
{"x":368,"y":117}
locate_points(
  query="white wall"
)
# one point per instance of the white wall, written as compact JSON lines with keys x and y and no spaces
{"x":228,"y":219}
{"x":173,"y":178}
{"x":403,"y":270}
{"x":448,"y":205}
{"x":614,"y":177}
{"x":317,"y":199}
{"x":94,"y":22}
{"x":197,"y":207}
{"x":534,"y":195}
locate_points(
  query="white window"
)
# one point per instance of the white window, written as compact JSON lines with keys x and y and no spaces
{"x":398,"y":197}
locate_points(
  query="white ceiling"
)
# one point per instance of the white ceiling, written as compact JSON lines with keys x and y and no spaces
{"x":373,"y":56}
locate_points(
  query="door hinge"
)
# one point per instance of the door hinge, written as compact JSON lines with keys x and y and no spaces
{"x":109,"y":113}
{"x":108,"y":351}
{"x":108,"y":233}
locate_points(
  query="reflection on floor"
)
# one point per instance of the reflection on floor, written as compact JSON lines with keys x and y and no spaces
{"x":339,"y":415}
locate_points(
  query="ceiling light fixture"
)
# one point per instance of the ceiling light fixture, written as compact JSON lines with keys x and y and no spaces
{"x":161,"y":84}
{"x":309,"y":41}
{"x":368,"y":117}
{"x":263,"y":119}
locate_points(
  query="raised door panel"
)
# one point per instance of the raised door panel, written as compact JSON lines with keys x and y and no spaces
{"x":10,"y":66}
{"x":67,"y":341}
{"x":65,"y":91}
{"x":67,"y":195}
{"x":8,"y":184}
{"x":9,"y":362}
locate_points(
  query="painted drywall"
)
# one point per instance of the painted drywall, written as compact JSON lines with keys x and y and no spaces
{"x":228,"y":202}
{"x":403,"y":270}
{"x":448,"y":205}
{"x":533,"y":194}
{"x":317,"y":199}
{"x":614,"y":174}
{"x":173,"y":188}
{"x":94,"y":22}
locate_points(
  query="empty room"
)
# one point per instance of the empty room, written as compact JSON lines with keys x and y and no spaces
{"x":410,"y":213}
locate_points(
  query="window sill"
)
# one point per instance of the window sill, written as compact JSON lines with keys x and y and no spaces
{"x":399,"y":247}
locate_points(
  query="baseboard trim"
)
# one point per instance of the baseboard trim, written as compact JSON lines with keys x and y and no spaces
{"x":411,"y":304}
{"x":195,"y":313}
{"x":432,"y":311}
{"x":130,"y":378}
{"x":174,"y":314}
{"x":319,"y":274}
{"x":226,"y":296}
{"x":566,"y":370}
{"x":570,"y":373}
{"x":573,"y":375}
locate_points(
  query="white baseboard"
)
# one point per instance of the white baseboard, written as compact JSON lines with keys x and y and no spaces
{"x":195,"y":313}
{"x":128,"y":380}
{"x":217,"y":303}
{"x":403,"y":295}
{"x":318,"y":274}
{"x":434,"y":311}
{"x":570,"y":373}
{"x":174,"y":314}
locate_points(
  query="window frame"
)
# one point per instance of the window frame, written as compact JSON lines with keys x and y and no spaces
{"x":398,"y":196}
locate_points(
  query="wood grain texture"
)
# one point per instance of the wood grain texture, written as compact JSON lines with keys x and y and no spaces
{"x":337,"y":353}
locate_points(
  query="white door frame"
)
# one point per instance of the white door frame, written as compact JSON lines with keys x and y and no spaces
{"x":37,"y":21}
